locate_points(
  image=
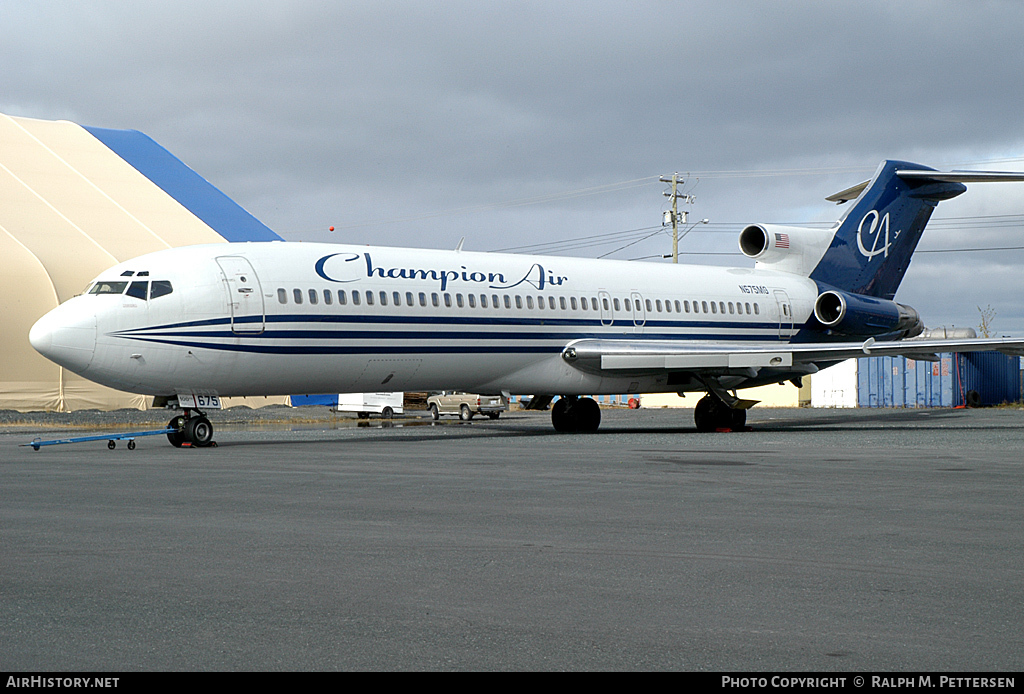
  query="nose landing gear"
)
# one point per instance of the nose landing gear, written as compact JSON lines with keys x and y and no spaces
{"x":194,"y":431}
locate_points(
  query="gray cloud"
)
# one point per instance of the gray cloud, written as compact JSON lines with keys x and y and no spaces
{"x":389,"y":120}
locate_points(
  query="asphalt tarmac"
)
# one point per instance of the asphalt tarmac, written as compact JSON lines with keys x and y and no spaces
{"x":822,"y":540}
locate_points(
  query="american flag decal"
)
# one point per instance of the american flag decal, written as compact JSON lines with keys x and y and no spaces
{"x":782,"y":240}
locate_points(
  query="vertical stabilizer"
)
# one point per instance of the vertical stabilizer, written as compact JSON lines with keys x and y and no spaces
{"x":871,"y":249}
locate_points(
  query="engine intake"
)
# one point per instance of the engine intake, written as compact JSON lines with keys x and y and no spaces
{"x":856,"y":314}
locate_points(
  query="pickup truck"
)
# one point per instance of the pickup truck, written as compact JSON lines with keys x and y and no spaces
{"x":466,"y":405}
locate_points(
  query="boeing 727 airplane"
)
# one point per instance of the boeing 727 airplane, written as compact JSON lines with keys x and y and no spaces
{"x":195,"y":324}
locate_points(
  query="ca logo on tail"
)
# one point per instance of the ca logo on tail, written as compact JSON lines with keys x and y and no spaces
{"x":875,"y":229}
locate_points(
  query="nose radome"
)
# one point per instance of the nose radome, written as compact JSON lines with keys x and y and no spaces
{"x":67,"y":336}
{"x":41,"y":336}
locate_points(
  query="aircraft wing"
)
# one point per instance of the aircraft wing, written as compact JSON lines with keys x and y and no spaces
{"x":658,"y":355}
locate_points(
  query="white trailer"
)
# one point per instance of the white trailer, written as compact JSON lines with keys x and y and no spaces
{"x":363,"y":404}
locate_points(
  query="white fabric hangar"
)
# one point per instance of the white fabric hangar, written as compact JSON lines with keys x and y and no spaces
{"x":74,"y":201}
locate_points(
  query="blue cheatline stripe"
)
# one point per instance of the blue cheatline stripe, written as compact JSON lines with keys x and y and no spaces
{"x":372,"y":349}
{"x":463,"y":321}
{"x":195,"y":193}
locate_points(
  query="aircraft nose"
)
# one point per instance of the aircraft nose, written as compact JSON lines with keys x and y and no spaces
{"x":67,"y":336}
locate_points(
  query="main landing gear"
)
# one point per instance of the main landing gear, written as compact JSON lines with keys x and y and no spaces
{"x":572,"y":413}
{"x":190,"y":429}
{"x":711,"y":414}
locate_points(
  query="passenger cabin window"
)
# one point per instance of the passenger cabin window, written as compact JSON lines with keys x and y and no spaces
{"x":297,"y":295}
{"x":282,"y":296}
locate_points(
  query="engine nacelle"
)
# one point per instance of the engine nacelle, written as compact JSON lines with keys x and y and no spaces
{"x":855,"y":314}
{"x":789,"y":249}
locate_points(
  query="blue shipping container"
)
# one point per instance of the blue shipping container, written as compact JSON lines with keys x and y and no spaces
{"x":978,"y":378}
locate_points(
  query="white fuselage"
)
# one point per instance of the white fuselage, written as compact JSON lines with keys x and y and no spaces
{"x":292,"y":318}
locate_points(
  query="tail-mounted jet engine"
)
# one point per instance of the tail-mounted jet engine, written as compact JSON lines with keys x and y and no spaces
{"x":789,"y":249}
{"x":855,"y":314}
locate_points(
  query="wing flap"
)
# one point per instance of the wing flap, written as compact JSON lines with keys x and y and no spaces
{"x":663,"y":355}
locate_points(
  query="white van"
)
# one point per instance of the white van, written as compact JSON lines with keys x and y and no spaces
{"x":385,"y":404}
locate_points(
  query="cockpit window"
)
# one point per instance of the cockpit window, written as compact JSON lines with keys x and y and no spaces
{"x":139,"y":290}
{"x":105,"y":287}
{"x":160,"y":288}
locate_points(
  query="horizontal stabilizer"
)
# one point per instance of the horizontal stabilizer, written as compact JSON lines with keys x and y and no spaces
{"x":962,"y":176}
{"x":850,"y":193}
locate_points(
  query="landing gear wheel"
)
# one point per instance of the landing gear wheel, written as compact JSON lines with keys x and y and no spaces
{"x":561,"y":419}
{"x":465,"y":414}
{"x":576,"y":415}
{"x":177,"y":437}
{"x":587,"y":414}
{"x":199,"y":431}
{"x":739,"y":419}
{"x":712,"y":414}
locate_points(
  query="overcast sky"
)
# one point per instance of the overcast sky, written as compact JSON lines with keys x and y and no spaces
{"x":516,"y":124}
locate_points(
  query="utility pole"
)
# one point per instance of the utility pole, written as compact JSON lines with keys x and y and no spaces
{"x":673,"y":216}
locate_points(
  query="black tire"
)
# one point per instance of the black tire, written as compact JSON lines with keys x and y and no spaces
{"x":131,"y":445}
{"x":973,"y":398}
{"x":465,"y":414}
{"x":587,"y":415}
{"x":494,"y":415}
{"x":176,"y":437}
{"x":387,"y":413}
{"x":739,"y":419}
{"x":111,"y":444}
{"x":704,"y":415}
{"x":434,"y":414}
{"x":561,"y":416}
{"x":199,"y":431}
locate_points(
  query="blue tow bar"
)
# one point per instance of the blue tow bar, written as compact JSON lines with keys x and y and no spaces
{"x":111,"y":439}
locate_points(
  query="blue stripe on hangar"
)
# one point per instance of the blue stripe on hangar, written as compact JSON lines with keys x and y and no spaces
{"x":192,"y":191}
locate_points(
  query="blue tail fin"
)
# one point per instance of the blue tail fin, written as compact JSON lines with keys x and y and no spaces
{"x":871,"y":249}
